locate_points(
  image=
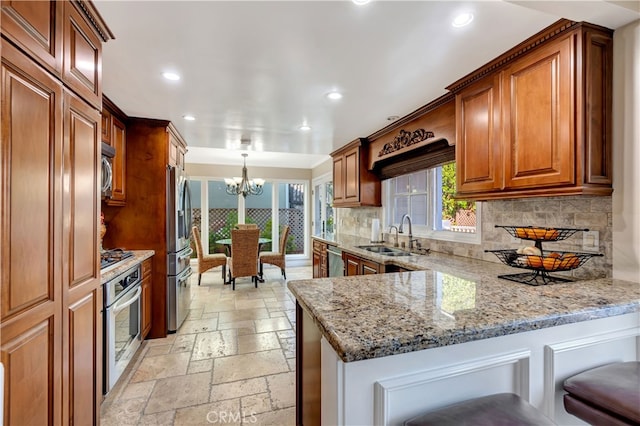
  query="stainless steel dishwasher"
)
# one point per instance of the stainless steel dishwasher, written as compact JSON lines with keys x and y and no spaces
{"x":336,"y":265}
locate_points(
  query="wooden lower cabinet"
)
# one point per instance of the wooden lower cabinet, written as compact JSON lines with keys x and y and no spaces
{"x":355,"y":265}
{"x":320,"y":264}
{"x":146,"y":298}
{"x":308,"y":370}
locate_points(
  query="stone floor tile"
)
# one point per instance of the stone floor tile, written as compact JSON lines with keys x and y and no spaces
{"x":238,"y":389}
{"x":236,"y":324}
{"x":124,"y":412}
{"x":200,"y":366}
{"x":183,"y":343}
{"x":178,"y":392}
{"x":272,"y":324}
{"x":286,"y":417}
{"x":256,"y":404}
{"x":158,"y":350}
{"x":257,"y":342}
{"x":215,"y":344}
{"x":249,"y":304}
{"x":137,"y":390}
{"x":198,"y":326}
{"x":286,"y":334}
{"x":218,"y":413}
{"x":161,"y":366}
{"x":242,"y":315}
{"x":292,"y":364}
{"x":245,"y":366}
{"x":282,"y":388}
{"x":158,"y":419}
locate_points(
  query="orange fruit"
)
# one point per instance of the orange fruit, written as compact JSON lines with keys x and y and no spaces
{"x":551,"y":263}
{"x":530,"y":232}
{"x":539,"y":233}
{"x":551,"y":235}
{"x":569,"y":261}
{"x":534,"y":261}
{"x":555,"y":254}
{"x":521,"y":233}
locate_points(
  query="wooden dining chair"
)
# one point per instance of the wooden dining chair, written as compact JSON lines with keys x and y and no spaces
{"x":244,"y":255}
{"x":208,"y":261}
{"x":276,"y":258}
{"x":245,"y":226}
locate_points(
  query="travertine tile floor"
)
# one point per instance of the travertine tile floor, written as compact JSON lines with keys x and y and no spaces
{"x":232,"y":361}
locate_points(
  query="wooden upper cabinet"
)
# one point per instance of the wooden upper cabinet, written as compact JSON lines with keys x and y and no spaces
{"x":537,"y":120}
{"x":539,"y":133}
{"x":177,"y":149}
{"x":82,"y":66}
{"x":114,"y":133}
{"x":35,"y":26}
{"x":353,"y":184}
{"x":479,"y":143}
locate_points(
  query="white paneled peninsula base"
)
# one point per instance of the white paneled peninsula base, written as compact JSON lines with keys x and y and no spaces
{"x":379,"y":349}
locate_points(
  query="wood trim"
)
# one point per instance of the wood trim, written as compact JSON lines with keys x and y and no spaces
{"x":92,"y":16}
{"x":551,"y":32}
{"x":114,"y":109}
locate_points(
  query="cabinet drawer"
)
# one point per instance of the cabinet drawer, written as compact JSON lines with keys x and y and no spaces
{"x":319,"y":246}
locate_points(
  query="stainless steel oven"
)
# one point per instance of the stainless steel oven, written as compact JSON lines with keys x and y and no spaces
{"x":106,"y":166}
{"x":121,"y":323}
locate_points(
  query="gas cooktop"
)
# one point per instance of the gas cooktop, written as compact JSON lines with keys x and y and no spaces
{"x":111,"y":257}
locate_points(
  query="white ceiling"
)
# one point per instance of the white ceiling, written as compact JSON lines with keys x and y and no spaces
{"x":260,"y":69}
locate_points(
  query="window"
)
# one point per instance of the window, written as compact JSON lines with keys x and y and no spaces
{"x":427,"y":197}
{"x":323,"y":215}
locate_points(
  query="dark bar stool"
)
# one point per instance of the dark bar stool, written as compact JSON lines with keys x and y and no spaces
{"x":502,"y":409}
{"x":605,"y":395}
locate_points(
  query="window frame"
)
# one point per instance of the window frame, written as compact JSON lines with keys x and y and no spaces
{"x":426,"y":231}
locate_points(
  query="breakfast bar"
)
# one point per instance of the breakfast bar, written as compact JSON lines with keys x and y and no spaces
{"x":379,"y":349}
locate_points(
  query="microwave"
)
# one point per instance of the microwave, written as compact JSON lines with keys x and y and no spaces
{"x":108,"y":152}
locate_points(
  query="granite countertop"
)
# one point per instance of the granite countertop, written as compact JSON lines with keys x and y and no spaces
{"x":116,"y":269}
{"x":450,"y":300}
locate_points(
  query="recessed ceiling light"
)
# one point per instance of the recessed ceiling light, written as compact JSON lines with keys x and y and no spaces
{"x":360,"y":2}
{"x":305,"y":127}
{"x":189,"y":117}
{"x":171,"y":76}
{"x":462,"y":20}
{"x":334,"y":96}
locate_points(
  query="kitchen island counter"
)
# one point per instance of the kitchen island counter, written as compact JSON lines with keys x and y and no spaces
{"x":370,"y":347}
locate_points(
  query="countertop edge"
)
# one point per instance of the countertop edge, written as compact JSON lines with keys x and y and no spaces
{"x":113,"y":271}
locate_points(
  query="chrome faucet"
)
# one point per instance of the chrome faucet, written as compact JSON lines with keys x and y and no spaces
{"x":400,"y":230}
{"x":395,"y":240}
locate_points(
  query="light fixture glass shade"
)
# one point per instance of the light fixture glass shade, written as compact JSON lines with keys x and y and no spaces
{"x":244,"y":186}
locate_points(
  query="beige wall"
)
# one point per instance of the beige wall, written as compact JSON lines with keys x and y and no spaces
{"x":322,"y":169}
{"x":626,"y":152}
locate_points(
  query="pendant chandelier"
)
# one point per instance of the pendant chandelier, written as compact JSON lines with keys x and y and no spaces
{"x":244,"y":186}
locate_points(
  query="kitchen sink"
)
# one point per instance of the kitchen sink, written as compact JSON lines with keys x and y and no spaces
{"x":385,"y":251}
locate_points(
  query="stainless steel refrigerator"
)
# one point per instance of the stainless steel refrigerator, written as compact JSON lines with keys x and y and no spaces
{"x":179,"y":251}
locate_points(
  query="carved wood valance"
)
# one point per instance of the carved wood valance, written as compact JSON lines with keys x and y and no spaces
{"x":405,"y":139}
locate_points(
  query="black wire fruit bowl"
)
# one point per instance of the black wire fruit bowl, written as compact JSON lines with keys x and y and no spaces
{"x":540,"y":233}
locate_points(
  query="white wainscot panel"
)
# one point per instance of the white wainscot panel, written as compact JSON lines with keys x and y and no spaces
{"x":400,"y":398}
{"x":565,"y":359}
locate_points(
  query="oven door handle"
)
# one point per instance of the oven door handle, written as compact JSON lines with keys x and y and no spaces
{"x":187,"y":254}
{"x":119,"y":307}
{"x":186,"y":274}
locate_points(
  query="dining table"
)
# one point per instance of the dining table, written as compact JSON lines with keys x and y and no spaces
{"x":227,"y":245}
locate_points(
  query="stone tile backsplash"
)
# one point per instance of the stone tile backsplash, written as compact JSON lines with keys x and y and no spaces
{"x":591,"y":212}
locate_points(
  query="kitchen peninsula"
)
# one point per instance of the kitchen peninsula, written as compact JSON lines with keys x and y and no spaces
{"x":379,"y":349}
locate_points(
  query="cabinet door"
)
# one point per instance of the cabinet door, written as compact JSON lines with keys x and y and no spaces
{"x":338,"y":180}
{"x":316,"y":264}
{"x":369,"y":267}
{"x":351,"y":265}
{"x":31,"y":254}
{"x":36,"y":27}
{"x":119,"y":142}
{"x":352,"y":175}
{"x":478,"y":137}
{"x":82,"y":66}
{"x":82,"y":339}
{"x":539,"y":117}
{"x":146,"y":298}
{"x":106,"y":126}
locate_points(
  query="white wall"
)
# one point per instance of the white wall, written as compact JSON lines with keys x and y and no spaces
{"x":626,"y":152}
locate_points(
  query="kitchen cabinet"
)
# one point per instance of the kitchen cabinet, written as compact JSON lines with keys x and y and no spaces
{"x":115,"y":120}
{"x":50,"y":325}
{"x":140,"y":224}
{"x":320,"y":264}
{"x":177,"y":150}
{"x":354,"y":185}
{"x":539,"y":122}
{"x":146,"y":286}
{"x":355,"y":265}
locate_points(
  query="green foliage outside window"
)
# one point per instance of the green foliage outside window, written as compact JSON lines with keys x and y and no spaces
{"x":449,"y":205}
